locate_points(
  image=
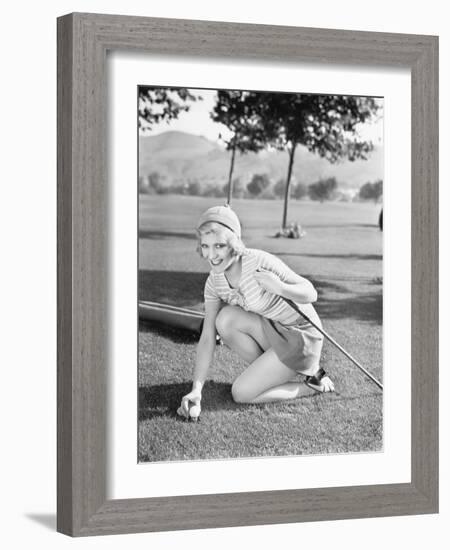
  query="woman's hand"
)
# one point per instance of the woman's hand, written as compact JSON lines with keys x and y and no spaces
{"x":191,"y":399}
{"x":269,"y":281}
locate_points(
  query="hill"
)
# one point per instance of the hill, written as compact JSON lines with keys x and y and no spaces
{"x":180,"y":156}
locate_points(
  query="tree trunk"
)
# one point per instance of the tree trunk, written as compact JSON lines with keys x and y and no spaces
{"x":288,"y":184}
{"x":230,"y":175}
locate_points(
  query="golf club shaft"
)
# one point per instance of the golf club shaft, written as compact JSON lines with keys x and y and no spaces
{"x":333,"y":341}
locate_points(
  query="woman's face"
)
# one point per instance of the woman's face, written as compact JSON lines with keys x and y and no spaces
{"x":215,"y":249}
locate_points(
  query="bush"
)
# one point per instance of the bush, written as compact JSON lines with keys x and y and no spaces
{"x":258,"y":184}
{"x":267,"y":194}
{"x":279,"y":188}
{"x":193,"y":188}
{"x":239,"y":190}
{"x":154,"y":183}
{"x":323,"y":190}
{"x":214,"y":191}
{"x":299,"y":191}
{"x":143,"y":184}
{"x":371,"y":191}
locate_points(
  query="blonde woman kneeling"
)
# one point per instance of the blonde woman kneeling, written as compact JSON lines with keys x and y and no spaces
{"x":243,"y":305}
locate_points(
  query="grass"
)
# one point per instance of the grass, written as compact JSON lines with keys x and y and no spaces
{"x":342,"y":255}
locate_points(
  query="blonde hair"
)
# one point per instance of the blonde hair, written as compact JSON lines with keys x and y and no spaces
{"x":215,"y":228}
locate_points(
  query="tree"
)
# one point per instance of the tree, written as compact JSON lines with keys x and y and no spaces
{"x":268,"y":193}
{"x":157,"y":183}
{"x":155,"y":180}
{"x":214,"y":190}
{"x":193,"y":188}
{"x":299,"y":191}
{"x":237,"y":110}
{"x":258,"y":184}
{"x":143,"y":184}
{"x":324,"y":124}
{"x":322,"y":190}
{"x":371,"y":191}
{"x":278,"y":188}
{"x":238,"y":187}
{"x":162,"y":104}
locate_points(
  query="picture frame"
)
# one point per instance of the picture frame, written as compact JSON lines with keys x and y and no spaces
{"x":84,"y":39}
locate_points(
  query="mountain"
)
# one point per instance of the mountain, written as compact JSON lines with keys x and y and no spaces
{"x":174,"y":145}
{"x":180,"y":156}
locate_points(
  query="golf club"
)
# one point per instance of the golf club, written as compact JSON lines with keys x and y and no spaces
{"x":333,"y":341}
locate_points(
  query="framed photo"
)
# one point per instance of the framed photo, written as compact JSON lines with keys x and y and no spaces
{"x":94,"y":53}
{"x":243,"y":158}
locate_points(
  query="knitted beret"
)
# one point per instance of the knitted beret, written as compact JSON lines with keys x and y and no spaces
{"x":223,"y":215}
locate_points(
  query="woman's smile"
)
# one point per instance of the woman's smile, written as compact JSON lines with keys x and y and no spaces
{"x":216,"y":250}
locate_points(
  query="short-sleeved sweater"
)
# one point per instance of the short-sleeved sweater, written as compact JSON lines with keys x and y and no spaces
{"x":249,"y":294}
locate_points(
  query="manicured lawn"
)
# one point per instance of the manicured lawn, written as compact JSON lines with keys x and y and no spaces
{"x":341,"y":254}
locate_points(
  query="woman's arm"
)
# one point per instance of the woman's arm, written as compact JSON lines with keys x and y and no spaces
{"x":205,"y":352}
{"x":206,"y":345}
{"x":300,"y":290}
{"x":278,"y":278}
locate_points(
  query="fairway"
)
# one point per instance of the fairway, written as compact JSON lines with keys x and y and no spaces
{"x":341,"y":254}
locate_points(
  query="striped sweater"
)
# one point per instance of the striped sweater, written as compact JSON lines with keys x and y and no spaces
{"x":251,"y":296}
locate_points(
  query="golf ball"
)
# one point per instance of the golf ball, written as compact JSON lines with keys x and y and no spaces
{"x":194,"y":412}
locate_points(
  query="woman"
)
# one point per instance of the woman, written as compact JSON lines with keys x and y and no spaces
{"x":244,"y":305}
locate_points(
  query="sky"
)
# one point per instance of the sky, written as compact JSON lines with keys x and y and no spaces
{"x":197,"y":121}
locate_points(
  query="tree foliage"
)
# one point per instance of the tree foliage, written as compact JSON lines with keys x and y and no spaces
{"x":238,"y":186}
{"x":299,"y":191}
{"x":371,"y":191}
{"x":162,"y":104}
{"x":278,"y":188}
{"x":258,"y":184}
{"x":324,"y":124}
{"x":322,"y":190}
{"x":238,"y":111}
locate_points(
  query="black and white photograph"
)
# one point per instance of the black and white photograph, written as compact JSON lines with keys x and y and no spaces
{"x":222,"y":252}
{"x":260,"y":274}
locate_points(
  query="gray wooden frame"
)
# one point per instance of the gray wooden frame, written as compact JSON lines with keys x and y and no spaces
{"x":83,"y":41}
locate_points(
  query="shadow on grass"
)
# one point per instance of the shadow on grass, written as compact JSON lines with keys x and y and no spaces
{"x":176,"y":334}
{"x":163,"y":400}
{"x":324,"y":286}
{"x":180,"y":288}
{"x":185,"y":289}
{"x":339,"y":225}
{"x":150,"y":235}
{"x":367,"y":307}
{"x":377,"y":257}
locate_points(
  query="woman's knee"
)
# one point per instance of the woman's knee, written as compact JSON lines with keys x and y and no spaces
{"x":241,"y":393}
{"x":226,"y":320}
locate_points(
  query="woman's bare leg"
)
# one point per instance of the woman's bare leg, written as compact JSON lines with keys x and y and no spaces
{"x":267,"y":379}
{"x":242,"y":331}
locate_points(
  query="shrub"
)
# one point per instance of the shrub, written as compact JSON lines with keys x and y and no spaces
{"x":299,"y":191}
{"x":258,"y":183}
{"x":371,"y":191}
{"x":279,"y":188}
{"x":322,"y":190}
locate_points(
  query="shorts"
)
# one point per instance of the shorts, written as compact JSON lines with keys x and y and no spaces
{"x":298,"y":346}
